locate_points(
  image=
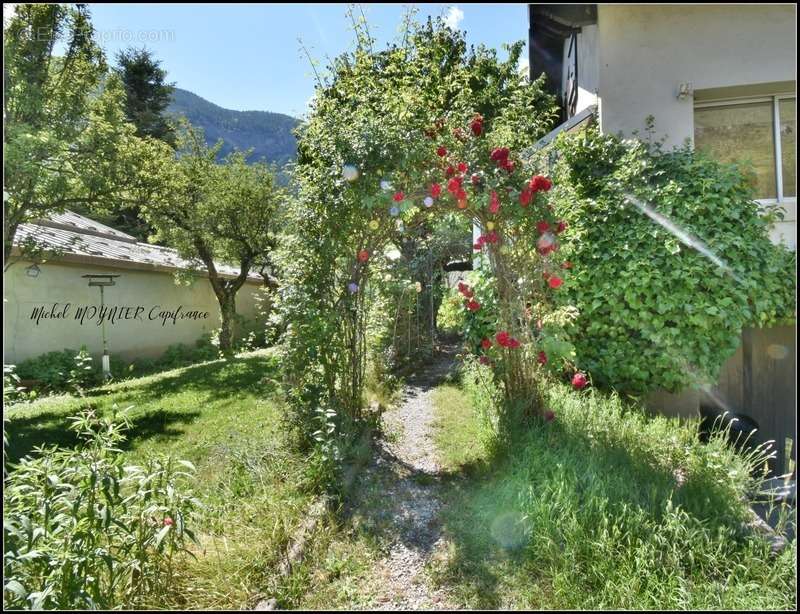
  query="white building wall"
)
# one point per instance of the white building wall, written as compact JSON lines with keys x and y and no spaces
{"x":62,"y":283}
{"x":645,"y":52}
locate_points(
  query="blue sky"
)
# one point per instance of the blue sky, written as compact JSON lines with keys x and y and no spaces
{"x":247,"y":56}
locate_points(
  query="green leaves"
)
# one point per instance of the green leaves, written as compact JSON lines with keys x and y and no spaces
{"x":648,"y":277}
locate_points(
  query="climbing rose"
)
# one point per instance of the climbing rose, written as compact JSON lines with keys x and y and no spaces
{"x":491,"y":237}
{"x":478,"y":246}
{"x":486,"y":343}
{"x":168,"y":522}
{"x":462,"y":167}
{"x":579,"y":381}
{"x":461,"y":195}
{"x":436,"y":189}
{"x":525,"y":197}
{"x":500,"y":153}
{"x":560,"y":227}
{"x":513,"y":343}
{"x":476,"y":178}
{"x":477,"y":125}
{"x":542,"y":358}
{"x":542,"y":226}
{"x":507,"y":165}
{"x":473,"y":305}
{"x":398,"y":196}
{"x":549,"y":416}
{"x":555,"y":281}
{"x":539,"y":182}
{"x":363,"y":255}
{"x":441,"y":152}
{"x":494,"y":203}
{"x":465,"y":290}
{"x":502,"y":338}
{"x":449,"y":171}
{"x":453,"y":185}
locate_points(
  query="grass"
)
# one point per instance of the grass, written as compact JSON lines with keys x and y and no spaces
{"x":603,"y":508}
{"x":223,"y":416}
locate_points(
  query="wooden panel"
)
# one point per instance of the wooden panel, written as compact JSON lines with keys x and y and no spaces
{"x":769,"y":385}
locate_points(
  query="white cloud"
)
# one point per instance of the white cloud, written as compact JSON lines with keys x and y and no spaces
{"x":454,"y":17}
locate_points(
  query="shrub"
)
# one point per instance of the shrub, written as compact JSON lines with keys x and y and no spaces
{"x":654,"y":311}
{"x":82,"y":530}
{"x":55,"y":370}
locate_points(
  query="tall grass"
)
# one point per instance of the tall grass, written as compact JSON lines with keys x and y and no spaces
{"x":605,"y":507}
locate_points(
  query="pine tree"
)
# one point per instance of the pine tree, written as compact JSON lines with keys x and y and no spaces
{"x":148,"y":94}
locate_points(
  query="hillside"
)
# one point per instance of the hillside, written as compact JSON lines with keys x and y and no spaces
{"x":268,"y":134}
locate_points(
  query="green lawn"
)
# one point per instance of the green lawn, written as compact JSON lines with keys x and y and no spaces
{"x":603,"y":508}
{"x":225,"y":418}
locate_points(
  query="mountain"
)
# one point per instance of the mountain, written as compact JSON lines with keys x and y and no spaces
{"x":268,"y":134}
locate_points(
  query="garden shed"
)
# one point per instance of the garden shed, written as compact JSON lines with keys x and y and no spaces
{"x":49,"y":304}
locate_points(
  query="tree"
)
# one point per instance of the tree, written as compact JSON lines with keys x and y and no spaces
{"x":66,"y":142}
{"x":218,"y":212}
{"x":147,"y":94}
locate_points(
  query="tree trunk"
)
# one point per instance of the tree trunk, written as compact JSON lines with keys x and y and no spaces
{"x":227,"y":307}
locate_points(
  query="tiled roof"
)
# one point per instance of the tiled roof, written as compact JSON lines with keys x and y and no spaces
{"x":78,"y":236}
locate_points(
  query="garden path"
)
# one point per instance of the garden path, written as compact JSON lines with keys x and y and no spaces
{"x":401,"y":498}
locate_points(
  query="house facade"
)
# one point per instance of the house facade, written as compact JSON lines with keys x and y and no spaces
{"x":50,"y":305}
{"x":723,"y":78}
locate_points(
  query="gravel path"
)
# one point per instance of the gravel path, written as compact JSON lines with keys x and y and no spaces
{"x":402,"y":496}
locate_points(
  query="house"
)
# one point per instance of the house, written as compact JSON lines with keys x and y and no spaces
{"x":723,"y":78}
{"x":50,"y":304}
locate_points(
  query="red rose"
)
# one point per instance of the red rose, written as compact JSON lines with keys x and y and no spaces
{"x":560,"y":227}
{"x":492,"y":237}
{"x":494,"y":203}
{"x":476,"y":178}
{"x":436,"y":189}
{"x":398,"y":196}
{"x":549,"y":416}
{"x":441,"y":151}
{"x":500,"y":153}
{"x":168,"y":522}
{"x":555,"y":281}
{"x":486,"y":343}
{"x":449,"y":171}
{"x":453,"y":185}
{"x":545,"y":249}
{"x":473,"y":305}
{"x":484,"y":360}
{"x":464,"y":289}
{"x":461,"y":194}
{"x":542,"y":226}
{"x":477,"y":125}
{"x":525,"y":197}
{"x":507,"y":165}
{"x":363,"y":255}
{"x":542,"y":358}
{"x":462,"y":167}
{"x":539,"y":182}
{"x":502,"y":338}
{"x":579,"y":381}
{"x":477,"y":246}
{"x":513,"y":343}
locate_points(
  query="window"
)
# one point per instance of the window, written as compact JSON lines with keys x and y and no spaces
{"x":758,"y":131}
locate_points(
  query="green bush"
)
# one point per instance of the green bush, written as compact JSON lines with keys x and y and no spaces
{"x":654,"y":311}
{"x":57,"y":371}
{"x":83,"y":530}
